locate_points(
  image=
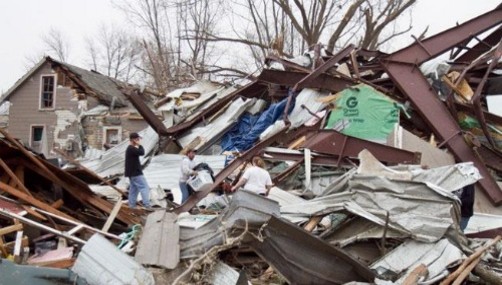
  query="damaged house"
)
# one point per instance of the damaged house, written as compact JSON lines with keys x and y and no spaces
{"x":58,"y":106}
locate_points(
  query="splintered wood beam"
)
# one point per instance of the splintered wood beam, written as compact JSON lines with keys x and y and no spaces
{"x":20,"y":173}
{"x":312,"y":223}
{"x":33,"y":201}
{"x":57,"y":204}
{"x":86,"y":197}
{"x":90,"y":172}
{"x":11,"y":229}
{"x":14,"y":178}
{"x":33,"y":212}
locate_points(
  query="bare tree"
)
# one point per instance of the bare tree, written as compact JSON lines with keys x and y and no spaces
{"x":179,"y":35}
{"x":56,"y":44}
{"x":114,"y":53}
{"x":153,"y":17}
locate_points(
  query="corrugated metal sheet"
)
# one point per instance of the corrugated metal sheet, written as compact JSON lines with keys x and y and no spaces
{"x":100,"y":262}
{"x":207,"y":132}
{"x":93,"y":153}
{"x":222,"y":93}
{"x":436,"y":256}
{"x":222,"y":274}
{"x":376,"y":190}
{"x":159,"y":243}
{"x":112,"y":161}
{"x":195,"y":242}
{"x":206,"y":90}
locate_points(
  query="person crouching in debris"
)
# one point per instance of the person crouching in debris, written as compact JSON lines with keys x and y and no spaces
{"x":255,"y":179}
{"x":133,"y":171}
{"x":187,"y":165}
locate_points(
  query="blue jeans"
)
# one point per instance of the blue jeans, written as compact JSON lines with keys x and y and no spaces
{"x":139,"y":184}
{"x":184,"y":191}
{"x":463,"y":222}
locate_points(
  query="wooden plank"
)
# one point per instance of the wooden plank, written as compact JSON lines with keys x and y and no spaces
{"x":11,"y":229}
{"x":17,"y":245}
{"x":87,"y":197}
{"x":19,"y":171}
{"x":57,"y":204}
{"x":29,"y":199}
{"x":416,"y":274}
{"x":33,"y":213}
{"x":112,"y":216}
{"x":3,"y":250}
{"x":62,"y":264}
{"x":80,"y":224}
{"x":40,"y":226}
{"x":75,"y":229}
{"x":312,"y":223}
{"x":92,"y":173}
{"x":14,"y":178}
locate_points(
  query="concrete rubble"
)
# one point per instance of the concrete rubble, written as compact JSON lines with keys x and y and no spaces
{"x":367,"y":152}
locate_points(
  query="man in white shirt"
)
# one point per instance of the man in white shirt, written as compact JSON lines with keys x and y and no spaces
{"x":186,"y":168}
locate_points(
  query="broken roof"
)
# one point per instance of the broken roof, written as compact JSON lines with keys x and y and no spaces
{"x":106,"y":89}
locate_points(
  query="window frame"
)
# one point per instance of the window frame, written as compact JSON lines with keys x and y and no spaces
{"x":119,"y":133}
{"x":32,"y":133}
{"x":41,"y":91}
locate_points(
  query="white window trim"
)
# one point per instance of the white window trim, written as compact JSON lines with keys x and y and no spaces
{"x":105,"y":129}
{"x":41,"y":88}
{"x":31,"y":132}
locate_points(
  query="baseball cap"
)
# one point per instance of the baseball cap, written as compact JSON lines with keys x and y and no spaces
{"x":134,"y":136}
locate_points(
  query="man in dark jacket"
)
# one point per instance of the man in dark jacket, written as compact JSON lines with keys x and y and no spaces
{"x":133,"y":170}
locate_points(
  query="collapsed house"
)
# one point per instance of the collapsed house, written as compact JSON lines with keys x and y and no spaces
{"x":367,"y":152}
{"x":58,"y":106}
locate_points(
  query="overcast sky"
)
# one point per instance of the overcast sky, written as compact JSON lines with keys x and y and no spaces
{"x":23,"y":22}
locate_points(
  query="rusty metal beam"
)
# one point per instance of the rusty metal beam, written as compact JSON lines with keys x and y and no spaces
{"x":303,"y":258}
{"x":283,"y":175}
{"x":147,"y":113}
{"x":490,"y":157}
{"x":324,"y":67}
{"x":290,"y":78}
{"x":490,"y":117}
{"x":402,"y":67}
{"x":433,"y":46}
{"x":223,"y":174}
{"x":328,"y":160}
{"x":335,"y":143}
{"x":412,"y":83}
{"x":480,"y":48}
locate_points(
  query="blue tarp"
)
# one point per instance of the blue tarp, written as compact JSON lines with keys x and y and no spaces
{"x":245,"y":133}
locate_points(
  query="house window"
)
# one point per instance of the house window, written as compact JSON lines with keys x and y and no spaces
{"x":47,"y":92}
{"x":37,"y":133}
{"x":112,"y":136}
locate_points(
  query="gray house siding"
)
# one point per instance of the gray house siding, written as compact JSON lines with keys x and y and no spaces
{"x":25,"y":113}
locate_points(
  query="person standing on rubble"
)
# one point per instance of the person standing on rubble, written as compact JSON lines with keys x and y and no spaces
{"x":255,"y":179}
{"x":187,"y":165}
{"x":138,"y":184}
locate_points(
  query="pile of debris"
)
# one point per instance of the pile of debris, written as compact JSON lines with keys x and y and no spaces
{"x":368,"y":152}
